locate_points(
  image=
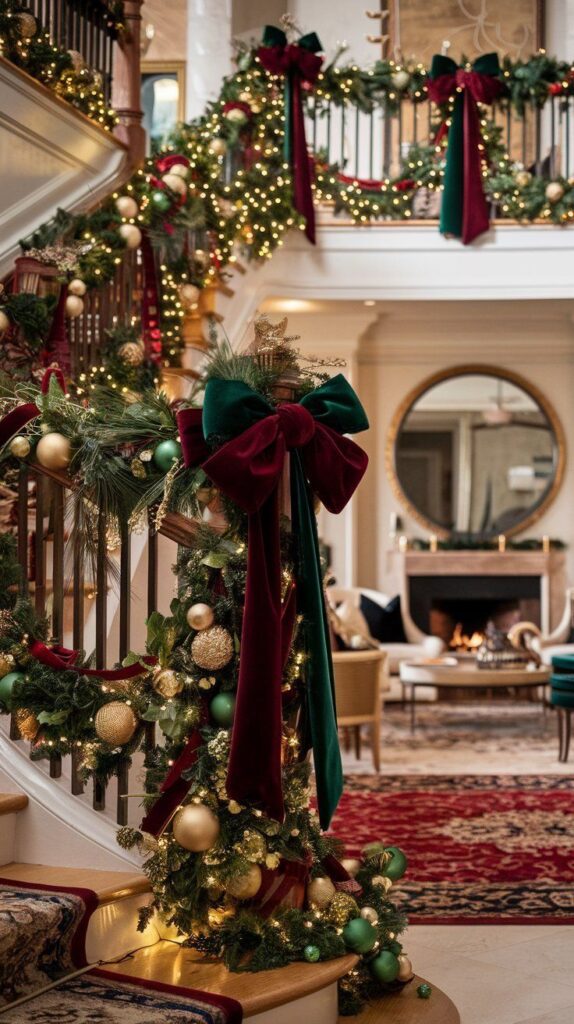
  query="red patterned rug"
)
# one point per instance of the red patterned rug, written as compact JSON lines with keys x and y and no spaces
{"x":481,"y":849}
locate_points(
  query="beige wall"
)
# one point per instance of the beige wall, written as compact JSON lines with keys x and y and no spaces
{"x":170,"y":23}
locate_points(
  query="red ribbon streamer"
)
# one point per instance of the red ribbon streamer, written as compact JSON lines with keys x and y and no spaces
{"x":64,"y":660}
{"x":151,"y":332}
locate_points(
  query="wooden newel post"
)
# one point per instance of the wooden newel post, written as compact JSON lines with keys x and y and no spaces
{"x":126,"y":86}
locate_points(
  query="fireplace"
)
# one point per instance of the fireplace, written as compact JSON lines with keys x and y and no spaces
{"x":458,"y":608}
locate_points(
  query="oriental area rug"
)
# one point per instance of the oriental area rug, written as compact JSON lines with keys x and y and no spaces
{"x":100,"y":997}
{"x":482,"y":849}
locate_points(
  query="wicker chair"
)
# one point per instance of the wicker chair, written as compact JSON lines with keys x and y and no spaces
{"x":360,"y":681}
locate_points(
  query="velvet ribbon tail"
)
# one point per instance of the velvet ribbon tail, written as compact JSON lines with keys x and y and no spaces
{"x":174,"y":788}
{"x":62,"y":659}
{"x":15,"y":421}
{"x":302,"y":191}
{"x":254,"y":773}
{"x":321,"y":717}
{"x":151,"y":332}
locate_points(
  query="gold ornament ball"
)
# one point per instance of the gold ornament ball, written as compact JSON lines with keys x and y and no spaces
{"x":400,"y":79}
{"x":218,"y":147}
{"x":342,"y":908}
{"x":180,"y":170}
{"x":167,"y":682}
{"x":74,"y":306}
{"x":27,"y":724}
{"x":126,"y":206}
{"x":244,"y":97}
{"x":115,"y":723}
{"x":6,"y":665}
{"x":196,"y":828}
{"x":554,"y":191}
{"x":405,"y":968}
{"x":4,"y":322}
{"x":131,"y":353}
{"x":131,"y":235}
{"x":523,"y":178}
{"x":247,"y":885}
{"x":189,"y":294}
{"x":54,"y":451}
{"x":212,"y":648}
{"x":199,"y":616}
{"x":20,"y":447}
{"x":27,"y":25}
{"x":370,"y":914}
{"x":351,"y":865}
{"x":77,"y":287}
{"x":320,"y":891}
{"x":175,"y":183}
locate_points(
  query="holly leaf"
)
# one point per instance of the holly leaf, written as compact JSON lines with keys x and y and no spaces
{"x":52,"y":717}
{"x":215,"y":560}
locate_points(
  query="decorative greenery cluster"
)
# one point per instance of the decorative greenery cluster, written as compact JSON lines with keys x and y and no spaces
{"x":25,"y":42}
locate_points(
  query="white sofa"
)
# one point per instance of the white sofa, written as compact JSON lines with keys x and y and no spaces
{"x":555,"y":642}
{"x":345,"y":601}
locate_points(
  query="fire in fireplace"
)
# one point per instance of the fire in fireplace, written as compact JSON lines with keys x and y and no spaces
{"x":462,"y":642}
{"x":459,"y":608}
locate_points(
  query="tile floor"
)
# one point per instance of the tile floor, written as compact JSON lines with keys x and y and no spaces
{"x":511,"y":974}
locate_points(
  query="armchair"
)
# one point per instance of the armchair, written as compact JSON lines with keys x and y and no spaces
{"x":346,"y":601}
{"x":558,"y":641}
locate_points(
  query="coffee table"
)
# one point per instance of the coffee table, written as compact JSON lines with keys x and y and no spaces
{"x":464,"y":673}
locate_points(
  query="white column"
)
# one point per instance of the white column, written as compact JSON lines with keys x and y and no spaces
{"x":208,"y":52}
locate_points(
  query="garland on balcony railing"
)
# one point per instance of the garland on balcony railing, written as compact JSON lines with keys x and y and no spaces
{"x":225,"y":184}
{"x":25,"y":42}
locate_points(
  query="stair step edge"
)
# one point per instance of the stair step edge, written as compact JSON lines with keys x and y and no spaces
{"x":109,"y":886}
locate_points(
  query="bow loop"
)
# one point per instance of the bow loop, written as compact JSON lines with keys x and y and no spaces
{"x":336,"y":405}
{"x":296,"y":424}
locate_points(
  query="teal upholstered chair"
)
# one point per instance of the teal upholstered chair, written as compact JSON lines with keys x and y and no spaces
{"x":562,"y":698}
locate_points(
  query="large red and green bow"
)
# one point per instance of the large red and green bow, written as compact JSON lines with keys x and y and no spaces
{"x":300,"y":64}
{"x":464,"y":209}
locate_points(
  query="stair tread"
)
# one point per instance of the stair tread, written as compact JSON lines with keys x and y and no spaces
{"x":166,"y":963}
{"x":108,"y":885}
{"x":12,"y":802}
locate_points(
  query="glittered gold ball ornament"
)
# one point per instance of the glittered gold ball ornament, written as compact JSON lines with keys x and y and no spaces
{"x":4,"y":322}
{"x":131,"y":235}
{"x":351,"y":865}
{"x":54,"y":451}
{"x":218,"y":147}
{"x":167,"y":682}
{"x":199,"y":616}
{"x":6,"y":665}
{"x":554,"y":191}
{"x":77,"y":287}
{"x":126,"y":206}
{"x":115,"y":723}
{"x":405,"y":968}
{"x":74,"y":306}
{"x":523,"y":178}
{"x":320,"y":891}
{"x":189,"y":294}
{"x":196,"y":828}
{"x":131,"y":353}
{"x":20,"y":447}
{"x":246,"y":885}
{"x":26,"y":723}
{"x":180,"y":170}
{"x":341,"y":908}
{"x":212,"y":648}
{"x":175,"y":183}
{"x":369,"y":914}
{"x":27,"y":25}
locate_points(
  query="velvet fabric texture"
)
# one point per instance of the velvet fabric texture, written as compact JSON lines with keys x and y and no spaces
{"x":248,"y":470}
{"x":300,"y":64}
{"x":464,"y":208}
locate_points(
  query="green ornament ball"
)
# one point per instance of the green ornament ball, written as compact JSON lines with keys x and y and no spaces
{"x":311,"y":954}
{"x":397,"y":865}
{"x":161,"y":200}
{"x":395,"y":947}
{"x":165,"y":454}
{"x":359,"y":935}
{"x":424,"y":991}
{"x":7,"y":685}
{"x":222,"y":709}
{"x":385,"y":967}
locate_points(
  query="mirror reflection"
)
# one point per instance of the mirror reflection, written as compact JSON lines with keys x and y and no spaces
{"x":476,"y":454}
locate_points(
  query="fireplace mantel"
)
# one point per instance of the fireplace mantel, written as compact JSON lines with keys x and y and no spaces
{"x":549,"y":566}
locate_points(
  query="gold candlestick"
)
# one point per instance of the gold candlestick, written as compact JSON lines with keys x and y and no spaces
{"x":403,"y":544}
{"x":433,"y":543}
{"x":501,"y":542}
{"x":546,"y":543}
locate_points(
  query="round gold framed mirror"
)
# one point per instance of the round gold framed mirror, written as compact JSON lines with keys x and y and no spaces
{"x":475,"y":451}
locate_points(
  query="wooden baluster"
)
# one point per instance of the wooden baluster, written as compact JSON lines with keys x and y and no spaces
{"x":152,"y":571}
{"x":78,"y":584}
{"x":552,"y":168}
{"x":58,"y":563}
{"x":125,"y":589}
{"x":567,"y":136}
{"x":101,"y":595}
{"x":40,"y":548}
{"x":99,"y":797}
{"x":342,"y":153}
{"x":23,"y":527}
{"x":356,"y":142}
{"x":123,"y":789}
{"x":55,"y":766}
{"x":77,"y":786}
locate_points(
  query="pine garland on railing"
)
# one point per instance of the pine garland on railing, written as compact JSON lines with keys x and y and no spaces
{"x":26,"y":43}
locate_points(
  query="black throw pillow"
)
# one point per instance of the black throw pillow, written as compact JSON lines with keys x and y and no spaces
{"x":385,"y":624}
